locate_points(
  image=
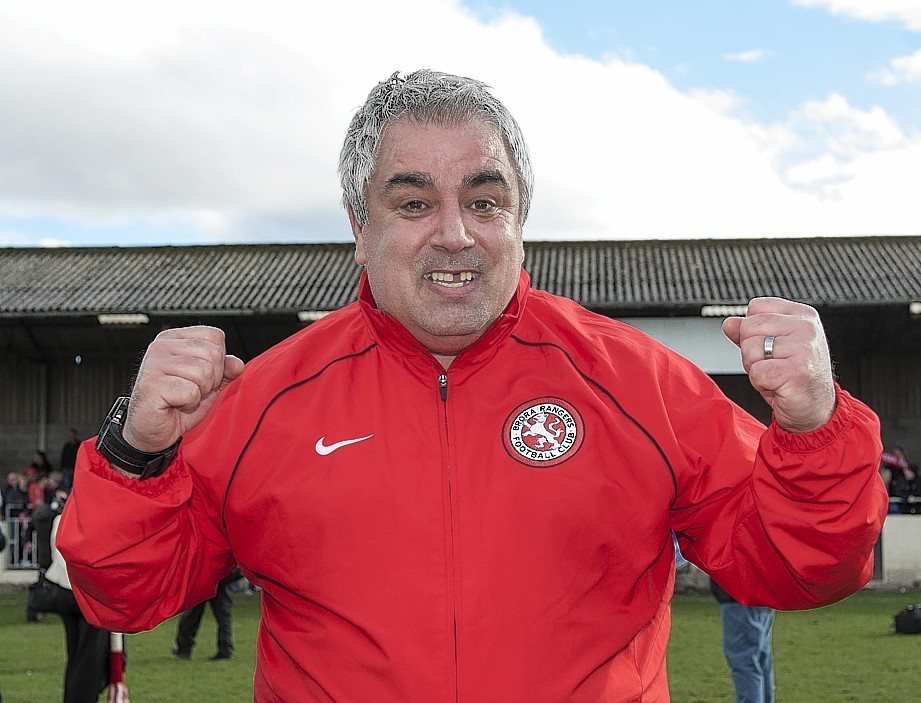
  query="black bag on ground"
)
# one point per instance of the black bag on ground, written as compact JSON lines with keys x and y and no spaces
{"x":42,"y":596}
{"x":908,"y":621}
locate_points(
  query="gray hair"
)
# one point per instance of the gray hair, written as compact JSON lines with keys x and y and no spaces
{"x":429,"y":97}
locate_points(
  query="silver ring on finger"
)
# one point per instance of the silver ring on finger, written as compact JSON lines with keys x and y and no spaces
{"x":769,"y":347}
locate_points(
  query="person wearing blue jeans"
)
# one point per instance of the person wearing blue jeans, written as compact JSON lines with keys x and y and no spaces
{"x":747,"y":647}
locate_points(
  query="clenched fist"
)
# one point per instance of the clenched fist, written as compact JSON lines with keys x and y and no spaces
{"x":180,"y":377}
{"x":796,"y":379}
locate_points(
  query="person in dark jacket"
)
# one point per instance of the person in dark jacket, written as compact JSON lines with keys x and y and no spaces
{"x":86,"y":673}
{"x":69,"y":458}
{"x":222,"y":607}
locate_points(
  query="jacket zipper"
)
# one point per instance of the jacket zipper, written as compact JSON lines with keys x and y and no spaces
{"x":443,"y":394}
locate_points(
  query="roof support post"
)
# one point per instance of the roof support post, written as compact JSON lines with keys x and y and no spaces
{"x":42,"y":438}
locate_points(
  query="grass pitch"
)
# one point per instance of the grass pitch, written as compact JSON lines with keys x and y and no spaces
{"x":841,"y":654}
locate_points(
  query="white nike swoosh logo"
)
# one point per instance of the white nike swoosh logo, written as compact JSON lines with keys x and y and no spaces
{"x":324,"y":449}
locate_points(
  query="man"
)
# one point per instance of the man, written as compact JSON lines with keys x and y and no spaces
{"x":222,"y":608}
{"x":747,"y":635}
{"x":69,"y":457}
{"x":87,"y":667}
{"x":459,"y":488}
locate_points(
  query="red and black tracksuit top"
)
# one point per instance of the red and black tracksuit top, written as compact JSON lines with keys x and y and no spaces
{"x":500,"y":531}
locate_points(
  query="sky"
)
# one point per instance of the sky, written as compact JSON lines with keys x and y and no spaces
{"x":206,"y":121}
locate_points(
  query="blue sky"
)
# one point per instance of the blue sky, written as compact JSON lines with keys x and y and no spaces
{"x":775,"y":55}
{"x":198,"y":121}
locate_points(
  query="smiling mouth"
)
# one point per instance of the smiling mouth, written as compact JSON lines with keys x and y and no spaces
{"x":451,"y":280}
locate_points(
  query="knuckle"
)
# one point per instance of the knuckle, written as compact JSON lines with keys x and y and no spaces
{"x":184,"y":391}
{"x":200,"y":370}
{"x":215,"y":354}
{"x":215,"y":335}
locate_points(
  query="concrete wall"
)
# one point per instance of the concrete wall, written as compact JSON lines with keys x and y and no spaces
{"x":898,"y":559}
{"x":900,"y":567}
{"x":901,"y":551}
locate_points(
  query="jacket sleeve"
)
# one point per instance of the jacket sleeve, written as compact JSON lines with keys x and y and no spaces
{"x":778,"y":519}
{"x":138,"y":552}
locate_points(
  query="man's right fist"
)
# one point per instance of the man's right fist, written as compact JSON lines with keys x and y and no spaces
{"x":180,"y":377}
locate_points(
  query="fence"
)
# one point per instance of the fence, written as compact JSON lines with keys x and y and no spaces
{"x":21,"y":537}
{"x":905,"y":506}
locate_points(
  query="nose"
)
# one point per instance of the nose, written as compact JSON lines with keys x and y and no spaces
{"x":451,"y":232}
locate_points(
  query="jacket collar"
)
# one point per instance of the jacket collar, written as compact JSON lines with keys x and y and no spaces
{"x":388,"y":331}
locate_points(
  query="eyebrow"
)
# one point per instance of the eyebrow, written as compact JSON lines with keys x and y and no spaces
{"x":486,"y":177}
{"x":416,"y":179}
{"x":411,"y":178}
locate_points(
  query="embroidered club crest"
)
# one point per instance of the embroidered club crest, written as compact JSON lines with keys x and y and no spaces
{"x":543,"y":432}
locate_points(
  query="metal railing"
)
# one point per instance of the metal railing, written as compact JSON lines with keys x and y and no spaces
{"x":905,"y":506}
{"x":20,"y":536}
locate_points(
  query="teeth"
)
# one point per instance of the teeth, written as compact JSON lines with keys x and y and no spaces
{"x":450,"y":278}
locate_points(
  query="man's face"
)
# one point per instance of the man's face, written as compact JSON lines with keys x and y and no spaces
{"x":442,"y":246}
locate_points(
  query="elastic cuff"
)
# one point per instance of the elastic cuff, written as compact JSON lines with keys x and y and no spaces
{"x":820,"y":437}
{"x":150,"y":488}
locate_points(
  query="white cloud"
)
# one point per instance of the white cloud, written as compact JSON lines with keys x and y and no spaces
{"x":221,"y":121}
{"x":907,"y":12}
{"x":52,"y":242}
{"x":903,"y":69}
{"x":750,"y":56}
{"x":858,"y":165}
{"x":720,"y":101}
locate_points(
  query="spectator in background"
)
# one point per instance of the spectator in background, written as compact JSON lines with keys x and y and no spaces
{"x":10,"y":499}
{"x":222,"y":607}
{"x":900,"y":477}
{"x":42,"y":518}
{"x":69,"y":458}
{"x":86,"y":672}
{"x":18,"y":508}
{"x":41,"y":464}
{"x":43,"y":512}
{"x":35,"y":488}
{"x":12,"y":494}
{"x":895,"y":468}
{"x":53,"y":487}
{"x":747,"y":647}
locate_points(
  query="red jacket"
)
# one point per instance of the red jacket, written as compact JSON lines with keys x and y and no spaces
{"x":500,"y":532}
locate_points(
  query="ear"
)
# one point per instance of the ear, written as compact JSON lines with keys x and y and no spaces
{"x":358,"y":232}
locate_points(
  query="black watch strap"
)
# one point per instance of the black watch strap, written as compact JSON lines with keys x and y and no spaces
{"x":112,"y":445}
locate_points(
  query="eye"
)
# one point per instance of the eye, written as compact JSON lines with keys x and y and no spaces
{"x":414,"y":207}
{"x":483,"y":206}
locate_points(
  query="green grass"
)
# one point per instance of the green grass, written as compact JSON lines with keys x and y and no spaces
{"x":847,"y":652}
{"x":32,"y":659}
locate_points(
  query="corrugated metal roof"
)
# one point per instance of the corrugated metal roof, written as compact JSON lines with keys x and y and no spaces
{"x":237,"y":279}
{"x":820,"y":271}
{"x":281,"y":278}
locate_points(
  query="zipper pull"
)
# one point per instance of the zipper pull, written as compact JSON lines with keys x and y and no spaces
{"x":443,"y":386}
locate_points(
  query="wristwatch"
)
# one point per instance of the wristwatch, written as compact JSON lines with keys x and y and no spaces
{"x":112,"y":445}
